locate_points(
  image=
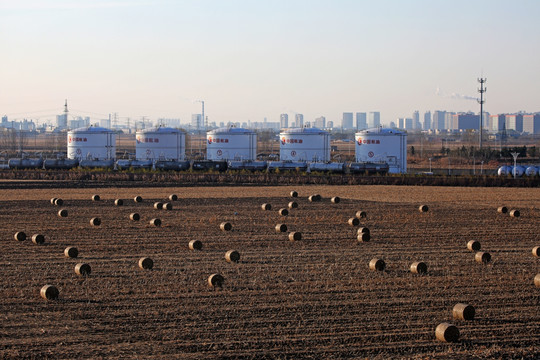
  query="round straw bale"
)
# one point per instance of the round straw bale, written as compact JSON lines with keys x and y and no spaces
{"x":377,"y":264}
{"x":419,"y":267}
{"x":423,"y":208}
{"x":62,"y":213}
{"x":514,"y":213}
{"x":146,"y":263}
{"x":95,"y":221}
{"x":295,"y":236}
{"x":58,"y":202}
{"x":293,"y":205}
{"x":315,"y":198}
{"x":195,"y":245}
{"x":53,"y":201}
{"x":96,"y":198}
{"x":361,"y":214}
{"x":335,"y":199}
{"x":225,"y":226}
{"x":173,"y":197}
{"x":354,"y":221}
{"x":155,"y":222}
{"x":482,"y":257}
{"x":118,"y":202}
{"x":232,"y":256}
{"x":281,"y":228}
{"x":294,"y":194}
{"x":71,"y":252}
{"x":20,"y":236}
{"x":463,"y":312}
{"x":363,"y":237}
{"x":158,"y":205}
{"x":49,"y":292}
{"x":134,"y":217}
{"x":502,"y":209}
{"x":283,"y":212}
{"x":83,"y":269}
{"x":447,"y":333}
{"x":137,"y":199}
{"x":473,"y":245}
{"x":215,"y":280}
{"x":167,"y":206}
{"x":38,"y":239}
{"x":537,"y":280}
{"x":536,"y":251}
{"x":363,"y":230}
{"x":266,"y":207}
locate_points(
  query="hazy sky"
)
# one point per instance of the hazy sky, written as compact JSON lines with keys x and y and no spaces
{"x":250,"y":59}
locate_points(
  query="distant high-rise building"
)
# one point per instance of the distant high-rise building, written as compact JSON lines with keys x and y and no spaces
{"x":416,"y":120}
{"x":299,"y":120}
{"x":284,"y":121}
{"x":61,"y":121}
{"x":320,"y":122}
{"x":361,"y":121}
{"x":106,"y":123}
{"x":427,"y":120}
{"x":497,"y":123}
{"x":330,"y":124}
{"x":392,"y":124}
{"x":4,"y":120}
{"x":196,"y":121}
{"x":514,"y":122}
{"x":449,"y":121}
{"x":531,"y":123}
{"x":465,"y":121}
{"x":409,"y":124}
{"x":401,"y":123}
{"x":347,"y":120}
{"x":374,"y":119}
{"x":438,"y":120}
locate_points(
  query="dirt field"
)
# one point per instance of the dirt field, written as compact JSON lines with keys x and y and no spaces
{"x":315,"y":298}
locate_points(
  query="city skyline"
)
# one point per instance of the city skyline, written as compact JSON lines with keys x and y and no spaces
{"x":249,"y":60}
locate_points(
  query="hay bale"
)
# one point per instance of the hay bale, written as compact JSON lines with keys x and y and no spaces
{"x":354,"y":221}
{"x":536,"y":251}
{"x":482,"y":257}
{"x":20,"y":236}
{"x":118,"y":202}
{"x":283,"y":212}
{"x":155,"y":222}
{"x":71,"y":252}
{"x":96,"y":198}
{"x":146,"y":263}
{"x":514,"y":213}
{"x":377,"y":264}
{"x":295,"y":236}
{"x":335,"y":200}
{"x":315,"y":198}
{"x":137,"y":199}
{"x":83,"y":269}
{"x":423,"y":208}
{"x":473,"y":245}
{"x":134,"y":217}
{"x":38,"y":239}
{"x":225,"y":226}
{"x":58,"y":202}
{"x":167,"y":206}
{"x":446,"y":332}
{"x":173,"y":197}
{"x":419,"y":267}
{"x":363,"y":237}
{"x":53,"y":201}
{"x":463,"y":312}
{"x":537,"y":280}
{"x":62,"y":213}
{"x":195,"y":245}
{"x":361,"y":214}
{"x":49,"y":292}
{"x":294,"y":194}
{"x":158,"y":205}
{"x":281,"y":228}
{"x":266,"y":207}
{"x":95,"y":221}
{"x":232,"y":256}
{"x":363,"y":230}
{"x":293,"y":205}
{"x":502,"y":209}
{"x":215,"y":280}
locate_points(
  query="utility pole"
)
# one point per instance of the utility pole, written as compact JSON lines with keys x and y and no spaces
{"x":482,"y":90}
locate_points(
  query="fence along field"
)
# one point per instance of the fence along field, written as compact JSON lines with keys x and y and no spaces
{"x":315,"y":297}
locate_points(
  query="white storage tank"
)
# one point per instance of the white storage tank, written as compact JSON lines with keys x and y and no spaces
{"x":531,"y":171}
{"x":91,"y":143}
{"x":161,"y":143}
{"x":503,"y":170}
{"x":304,"y":144}
{"x":383,"y":145}
{"x":231,"y":143}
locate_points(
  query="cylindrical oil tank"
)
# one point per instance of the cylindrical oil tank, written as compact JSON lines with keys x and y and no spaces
{"x":64,"y":164}
{"x":327,"y":167}
{"x":287,"y":166}
{"x":246,"y":165}
{"x":172,"y":165}
{"x":518,"y":170}
{"x":503,"y":170}
{"x":134,"y":164}
{"x":383,"y":145}
{"x":91,"y":143}
{"x":231,"y":143}
{"x":25,"y":163}
{"x":304,"y":144}
{"x":531,"y":171}
{"x":160,"y":143}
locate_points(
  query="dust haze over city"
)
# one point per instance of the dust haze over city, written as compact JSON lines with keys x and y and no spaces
{"x":253,"y":60}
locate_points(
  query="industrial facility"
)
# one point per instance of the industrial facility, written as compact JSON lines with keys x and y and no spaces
{"x":383,"y":145}
{"x":304,"y":144}
{"x":231,"y":143}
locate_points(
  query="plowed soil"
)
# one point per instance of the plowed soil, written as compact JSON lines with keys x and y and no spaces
{"x":314,"y":298}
